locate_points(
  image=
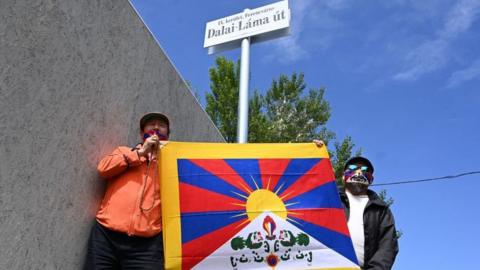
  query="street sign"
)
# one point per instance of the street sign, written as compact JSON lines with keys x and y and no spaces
{"x":260,"y":24}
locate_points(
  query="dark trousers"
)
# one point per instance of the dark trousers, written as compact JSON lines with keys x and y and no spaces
{"x":108,"y":249}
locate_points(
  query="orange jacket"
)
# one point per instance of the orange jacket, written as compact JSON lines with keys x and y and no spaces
{"x":123,"y":208}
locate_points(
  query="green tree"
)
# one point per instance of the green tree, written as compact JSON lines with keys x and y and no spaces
{"x":258,"y":125}
{"x":285,"y":114}
{"x":222,"y":102}
{"x":293,"y":116}
{"x":384,"y":197}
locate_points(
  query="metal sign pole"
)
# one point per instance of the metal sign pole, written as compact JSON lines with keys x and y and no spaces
{"x":242,"y":128}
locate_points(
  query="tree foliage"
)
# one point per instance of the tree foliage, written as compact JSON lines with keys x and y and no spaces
{"x":286,"y":113}
{"x":222,"y":102}
{"x":292,"y":115}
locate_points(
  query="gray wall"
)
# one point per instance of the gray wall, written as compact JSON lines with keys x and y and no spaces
{"x":74,"y":78}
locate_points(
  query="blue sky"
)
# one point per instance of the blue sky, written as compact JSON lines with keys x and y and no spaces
{"x":402,"y":78}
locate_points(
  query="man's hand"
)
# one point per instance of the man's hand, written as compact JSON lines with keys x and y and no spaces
{"x":319,"y":143}
{"x":150,"y":145}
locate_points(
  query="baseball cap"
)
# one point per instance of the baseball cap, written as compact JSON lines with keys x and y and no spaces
{"x":356,"y":160}
{"x":153,"y":116}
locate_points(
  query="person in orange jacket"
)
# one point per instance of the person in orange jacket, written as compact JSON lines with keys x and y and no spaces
{"x":127,"y":232}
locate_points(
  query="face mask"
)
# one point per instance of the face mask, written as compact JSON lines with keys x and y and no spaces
{"x":150,"y":133}
{"x":359,"y":179}
{"x":356,"y":188}
{"x":357,"y":183}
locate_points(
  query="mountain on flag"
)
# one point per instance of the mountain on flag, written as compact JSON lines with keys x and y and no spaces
{"x":252,"y":206}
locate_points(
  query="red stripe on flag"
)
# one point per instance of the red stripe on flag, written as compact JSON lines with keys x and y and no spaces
{"x":331,"y":218}
{"x":196,"y":250}
{"x":271,"y":170}
{"x":318,"y":175}
{"x":194,"y":199}
{"x":221,"y":169}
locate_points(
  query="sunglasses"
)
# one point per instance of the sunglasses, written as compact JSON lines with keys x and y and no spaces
{"x":353,"y":167}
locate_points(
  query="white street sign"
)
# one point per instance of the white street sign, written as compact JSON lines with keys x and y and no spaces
{"x":257,"y":22}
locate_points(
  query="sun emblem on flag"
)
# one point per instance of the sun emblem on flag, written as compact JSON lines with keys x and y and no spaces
{"x":262,"y":200}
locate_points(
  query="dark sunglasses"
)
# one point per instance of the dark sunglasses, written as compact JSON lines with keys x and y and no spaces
{"x":353,"y":167}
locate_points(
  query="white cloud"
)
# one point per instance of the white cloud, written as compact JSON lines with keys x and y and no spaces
{"x":435,"y":54}
{"x":460,"y":18}
{"x":290,"y":47}
{"x":427,"y":57}
{"x":467,"y":74}
{"x":311,"y":14}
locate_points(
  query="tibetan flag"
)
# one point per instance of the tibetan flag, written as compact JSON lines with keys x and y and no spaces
{"x":252,"y":206}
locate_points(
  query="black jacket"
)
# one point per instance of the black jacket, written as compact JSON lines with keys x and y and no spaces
{"x":381,"y":246}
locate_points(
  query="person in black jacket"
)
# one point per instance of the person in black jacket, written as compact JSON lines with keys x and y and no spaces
{"x":370,"y":221}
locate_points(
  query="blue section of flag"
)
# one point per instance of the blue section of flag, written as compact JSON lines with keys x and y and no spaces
{"x":190,"y":173}
{"x":295,"y":169}
{"x":195,"y":225}
{"x":324,"y":196}
{"x":247,"y":169}
{"x":338,"y":242}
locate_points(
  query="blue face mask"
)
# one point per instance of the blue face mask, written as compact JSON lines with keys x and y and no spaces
{"x":150,"y":133}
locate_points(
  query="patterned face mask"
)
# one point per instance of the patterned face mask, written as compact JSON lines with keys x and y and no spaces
{"x":152,"y":132}
{"x":364,"y":177}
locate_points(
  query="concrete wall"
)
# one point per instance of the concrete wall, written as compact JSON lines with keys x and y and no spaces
{"x":75,"y":76}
